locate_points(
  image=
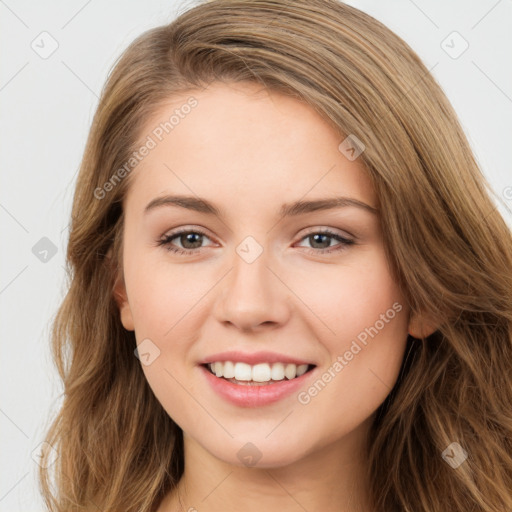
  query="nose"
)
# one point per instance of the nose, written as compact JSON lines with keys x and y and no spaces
{"x":253,"y":296}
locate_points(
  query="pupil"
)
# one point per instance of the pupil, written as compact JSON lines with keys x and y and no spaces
{"x":319,"y":235}
{"x":189,"y":238}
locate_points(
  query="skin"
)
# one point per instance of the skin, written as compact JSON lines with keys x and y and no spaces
{"x":249,"y":151}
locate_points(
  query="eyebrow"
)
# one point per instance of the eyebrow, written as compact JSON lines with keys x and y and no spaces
{"x":287,"y":210}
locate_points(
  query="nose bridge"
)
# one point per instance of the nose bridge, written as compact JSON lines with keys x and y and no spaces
{"x":251,"y":293}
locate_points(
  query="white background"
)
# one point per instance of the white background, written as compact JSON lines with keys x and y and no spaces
{"x":47,"y":106}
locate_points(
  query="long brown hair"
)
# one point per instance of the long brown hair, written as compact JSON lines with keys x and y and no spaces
{"x":447,"y":245}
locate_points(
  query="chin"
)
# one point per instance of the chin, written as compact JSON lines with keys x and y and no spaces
{"x":263,"y":455}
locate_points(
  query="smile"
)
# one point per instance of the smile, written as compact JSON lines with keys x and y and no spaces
{"x":258,"y":374}
{"x":252,"y":393}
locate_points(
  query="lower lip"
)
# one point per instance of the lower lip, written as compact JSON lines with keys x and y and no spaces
{"x":244,"y":395}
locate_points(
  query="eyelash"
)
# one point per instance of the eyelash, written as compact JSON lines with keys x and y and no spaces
{"x":166,"y":241}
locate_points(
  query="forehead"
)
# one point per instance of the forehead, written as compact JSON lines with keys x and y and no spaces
{"x":241,"y":143}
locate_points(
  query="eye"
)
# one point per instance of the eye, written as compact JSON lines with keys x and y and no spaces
{"x":322,"y":240}
{"x":191,"y":241}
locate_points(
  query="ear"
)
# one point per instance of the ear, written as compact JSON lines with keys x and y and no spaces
{"x":120,"y":295}
{"x":422,"y":326}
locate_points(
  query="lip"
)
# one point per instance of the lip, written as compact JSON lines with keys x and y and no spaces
{"x":253,"y":358}
{"x":254,"y":396}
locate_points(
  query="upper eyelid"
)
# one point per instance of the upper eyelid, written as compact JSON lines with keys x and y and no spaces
{"x":181,"y":231}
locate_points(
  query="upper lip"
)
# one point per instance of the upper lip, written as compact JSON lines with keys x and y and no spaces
{"x":253,"y":358}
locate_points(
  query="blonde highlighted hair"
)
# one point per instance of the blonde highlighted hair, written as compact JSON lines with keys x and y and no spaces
{"x":447,"y":245}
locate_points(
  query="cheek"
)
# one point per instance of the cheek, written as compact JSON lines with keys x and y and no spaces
{"x":165,"y":307}
{"x":352,"y":296}
{"x":162,"y":294}
{"x":366,"y":317}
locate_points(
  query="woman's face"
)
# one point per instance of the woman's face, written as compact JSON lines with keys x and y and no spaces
{"x":267,"y":287}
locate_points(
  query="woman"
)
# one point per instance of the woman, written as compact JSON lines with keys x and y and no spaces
{"x":214,"y":357}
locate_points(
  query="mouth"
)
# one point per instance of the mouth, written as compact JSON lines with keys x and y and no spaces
{"x":263,"y":374}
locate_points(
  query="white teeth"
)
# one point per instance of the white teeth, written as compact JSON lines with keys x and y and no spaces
{"x":229,"y":370}
{"x":301,"y":369}
{"x":217,"y":369}
{"x":262,"y":372}
{"x":242,"y":371}
{"x":278,"y":371}
{"x":290,"y":371}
